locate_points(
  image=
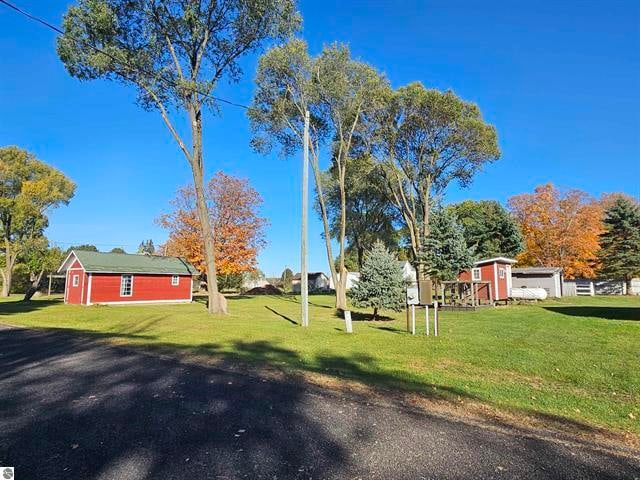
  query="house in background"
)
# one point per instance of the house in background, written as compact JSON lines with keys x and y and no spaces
{"x":352,"y":279}
{"x":548,"y":278}
{"x":318,"y":282}
{"x":120,"y":278}
{"x":495,"y":273}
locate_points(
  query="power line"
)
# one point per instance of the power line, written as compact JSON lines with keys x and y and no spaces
{"x":133,"y":69}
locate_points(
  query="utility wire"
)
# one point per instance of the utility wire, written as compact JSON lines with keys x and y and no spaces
{"x":99,"y":50}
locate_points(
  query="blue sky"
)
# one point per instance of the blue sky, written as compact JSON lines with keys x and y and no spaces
{"x":559,"y":80}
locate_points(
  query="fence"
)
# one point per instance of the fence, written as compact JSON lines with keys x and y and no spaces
{"x":584,"y":287}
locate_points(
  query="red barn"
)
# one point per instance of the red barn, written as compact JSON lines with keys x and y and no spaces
{"x":496,"y":271}
{"x":114,"y":278}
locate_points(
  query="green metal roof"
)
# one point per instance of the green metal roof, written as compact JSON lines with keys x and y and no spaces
{"x":133,"y":263}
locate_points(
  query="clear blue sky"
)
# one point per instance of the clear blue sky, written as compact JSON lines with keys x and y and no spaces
{"x":559,"y":80}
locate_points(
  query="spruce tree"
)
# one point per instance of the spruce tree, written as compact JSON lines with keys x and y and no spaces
{"x":445,"y":252}
{"x":620,"y":242}
{"x":287,"y":280}
{"x":381,"y":285}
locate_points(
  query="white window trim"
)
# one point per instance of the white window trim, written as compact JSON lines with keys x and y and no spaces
{"x":473,"y":274}
{"x":502,"y":272}
{"x":75,"y":280}
{"x":121,"y":285}
{"x":175,"y":280}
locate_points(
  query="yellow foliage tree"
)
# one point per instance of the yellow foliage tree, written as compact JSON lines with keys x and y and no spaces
{"x":560,"y":229}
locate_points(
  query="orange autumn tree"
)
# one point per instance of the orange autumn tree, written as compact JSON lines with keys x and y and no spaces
{"x":560,"y":229}
{"x":238,"y":229}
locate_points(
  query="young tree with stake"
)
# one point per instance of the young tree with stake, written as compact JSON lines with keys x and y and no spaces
{"x":175,"y":52}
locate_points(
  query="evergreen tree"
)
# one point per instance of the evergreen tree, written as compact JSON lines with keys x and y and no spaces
{"x":620,"y":242}
{"x":147,"y":247}
{"x":489,"y":229}
{"x":381,"y":285}
{"x":445,"y":252}
{"x":287,"y":280}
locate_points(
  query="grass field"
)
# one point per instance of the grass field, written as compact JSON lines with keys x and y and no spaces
{"x":577,"y":359}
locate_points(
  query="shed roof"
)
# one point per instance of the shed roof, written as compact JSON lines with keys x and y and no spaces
{"x":510,"y":261}
{"x":100,"y":262}
{"x":537,"y":270}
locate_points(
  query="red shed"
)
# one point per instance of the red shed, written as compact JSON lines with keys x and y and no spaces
{"x":113,"y":278}
{"x":497,"y":271}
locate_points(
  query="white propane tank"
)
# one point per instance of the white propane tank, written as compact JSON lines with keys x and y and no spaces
{"x":529,"y":293}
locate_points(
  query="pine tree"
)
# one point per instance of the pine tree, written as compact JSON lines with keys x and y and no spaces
{"x":620,"y":243}
{"x":287,"y":280}
{"x":445,"y":252}
{"x":381,"y":285}
{"x":147,"y":247}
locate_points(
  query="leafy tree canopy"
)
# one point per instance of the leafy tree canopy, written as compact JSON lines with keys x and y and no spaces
{"x":29,"y":189}
{"x":489,"y":229}
{"x":85,"y":246}
{"x":425,"y":139}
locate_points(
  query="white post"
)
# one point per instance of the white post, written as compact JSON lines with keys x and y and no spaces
{"x":426,"y":318}
{"x":304,"y":274}
{"x":347,"y":321}
{"x":413,"y":319}
{"x":435,"y":318}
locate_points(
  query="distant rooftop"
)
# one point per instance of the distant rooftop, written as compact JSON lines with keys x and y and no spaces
{"x":537,"y":270}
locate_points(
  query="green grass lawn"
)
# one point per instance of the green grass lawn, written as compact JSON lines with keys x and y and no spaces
{"x":577,"y":358}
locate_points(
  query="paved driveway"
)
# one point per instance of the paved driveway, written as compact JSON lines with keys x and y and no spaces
{"x":71,"y":408}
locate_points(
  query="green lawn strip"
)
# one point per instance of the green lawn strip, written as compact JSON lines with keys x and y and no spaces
{"x":537,"y":359}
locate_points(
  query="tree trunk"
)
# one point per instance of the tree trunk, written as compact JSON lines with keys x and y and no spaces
{"x":375,"y":313}
{"x":341,"y":287}
{"x":325,"y":219}
{"x":215,"y":304}
{"x":7,"y":270}
{"x":6,"y":281}
{"x":33,"y":288}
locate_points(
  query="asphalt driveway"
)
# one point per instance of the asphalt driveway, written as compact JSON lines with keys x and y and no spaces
{"x":74,"y":408}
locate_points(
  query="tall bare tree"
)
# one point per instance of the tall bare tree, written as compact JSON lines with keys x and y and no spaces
{"x":175,"y":52}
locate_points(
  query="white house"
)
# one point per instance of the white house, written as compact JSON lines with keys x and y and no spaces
{"x":318,"y":282}
{"x":352,"y":279}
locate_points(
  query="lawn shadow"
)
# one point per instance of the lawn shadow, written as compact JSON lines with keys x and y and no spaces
{"x":388,"y":329}
{"x":288,"y":319}
{"x":608,"y":313}
{"x":368,"y":317}
{"x":19,"y":306}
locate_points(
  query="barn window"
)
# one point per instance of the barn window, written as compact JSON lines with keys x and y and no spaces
{"x":476,"y":275}
{"x":175,"y":280}
{"x":126,"y":285}
{"x":76,"y":280}
{"x":501,"y":272}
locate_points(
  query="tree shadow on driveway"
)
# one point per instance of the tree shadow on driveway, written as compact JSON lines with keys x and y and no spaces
{"x":74,"y":407}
